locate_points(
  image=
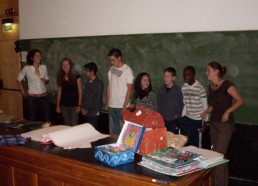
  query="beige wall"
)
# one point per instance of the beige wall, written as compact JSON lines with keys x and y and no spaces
{"x":10,"y":98}
{"x":70,"y":18}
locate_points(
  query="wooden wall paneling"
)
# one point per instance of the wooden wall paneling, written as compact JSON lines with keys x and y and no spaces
{"x":10,"y":65}
{"x":24,"y":178}
{"x":1,"y":99}
{"x":6,"y":4}
{"x":31,"y":167}
{"x":45,"y":180}
{"x":4,"y":104}
{"x":9,"y":4}
{"x":6,"y":178}
{"x":67,"y":184}
{"x":11,"y":102}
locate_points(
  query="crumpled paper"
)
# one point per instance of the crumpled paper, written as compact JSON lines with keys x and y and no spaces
{"x":176,"y":140}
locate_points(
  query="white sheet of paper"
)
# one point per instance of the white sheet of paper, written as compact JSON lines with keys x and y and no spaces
{"x":79,"y":136}
{"x":37,"y":135}
{"x":24,"y":56}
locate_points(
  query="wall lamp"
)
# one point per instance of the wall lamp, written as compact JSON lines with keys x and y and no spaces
{"x":7,"y":24}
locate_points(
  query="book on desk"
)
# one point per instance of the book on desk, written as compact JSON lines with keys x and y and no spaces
{"x":182,"y":161}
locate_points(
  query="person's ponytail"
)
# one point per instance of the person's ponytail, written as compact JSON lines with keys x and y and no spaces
{"x":223,"y":71}
{"x":217,"y":66}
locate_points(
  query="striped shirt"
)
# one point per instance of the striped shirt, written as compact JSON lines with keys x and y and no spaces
{"x":149,"y":101}
{"x":195,"y":100}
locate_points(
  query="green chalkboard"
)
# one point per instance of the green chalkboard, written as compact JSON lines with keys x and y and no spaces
{"x":151,"y":53}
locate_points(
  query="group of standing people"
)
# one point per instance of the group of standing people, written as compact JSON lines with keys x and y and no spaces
{"x":182,"y":108}
{"x":71,"y":99}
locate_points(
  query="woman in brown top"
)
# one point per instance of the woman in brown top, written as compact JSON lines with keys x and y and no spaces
{"x":221,"y":107}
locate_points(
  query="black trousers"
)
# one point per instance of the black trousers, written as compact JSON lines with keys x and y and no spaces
{"x":190,"y":128}
{"x":38,"y":106}
{"x":172,"y":125}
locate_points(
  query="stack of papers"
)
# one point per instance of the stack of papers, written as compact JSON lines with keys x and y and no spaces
{"x":79,"y":136}
{"x":179,"y":162}
{"x":208,"y":158}
{"x":172,"y":161}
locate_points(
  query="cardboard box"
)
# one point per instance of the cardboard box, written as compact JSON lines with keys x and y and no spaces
{"x":123,"y":151}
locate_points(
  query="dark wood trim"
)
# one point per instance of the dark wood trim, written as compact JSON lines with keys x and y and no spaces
{"x":47,"y":168}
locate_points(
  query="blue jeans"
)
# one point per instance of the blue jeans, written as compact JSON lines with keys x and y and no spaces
{"x":70,"y":115}
{"x":115,"y":120}
{"x":190,"y":128}
{"x":35,"y":104}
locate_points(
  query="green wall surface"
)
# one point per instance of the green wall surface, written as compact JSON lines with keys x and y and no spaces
{"x":151,"y":53}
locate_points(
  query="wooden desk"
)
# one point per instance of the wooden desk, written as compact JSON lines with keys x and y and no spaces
{"x":35,"y":164}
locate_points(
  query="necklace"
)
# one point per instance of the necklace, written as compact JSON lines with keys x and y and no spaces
{"x":215,"y":86}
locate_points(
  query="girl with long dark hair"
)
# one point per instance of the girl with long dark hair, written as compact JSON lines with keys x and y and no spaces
{"x":143,"y":94}
{"x":69,"y":92}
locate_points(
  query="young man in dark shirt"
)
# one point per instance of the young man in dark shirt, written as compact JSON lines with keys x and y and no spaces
{"x":170,"y":100}
{"x":93,"y":95}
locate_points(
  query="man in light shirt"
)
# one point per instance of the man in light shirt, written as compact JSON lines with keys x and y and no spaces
{"x":120,"y":77}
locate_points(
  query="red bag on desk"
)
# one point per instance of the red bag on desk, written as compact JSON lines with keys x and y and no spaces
{"x":145,"y":117}
{"x":153,"y":141}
